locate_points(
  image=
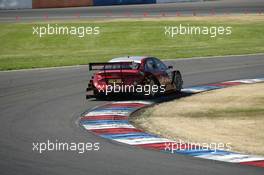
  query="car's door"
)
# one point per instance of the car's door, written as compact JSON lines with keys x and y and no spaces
{"x":164,"y":72}
{"x":151,"y":67}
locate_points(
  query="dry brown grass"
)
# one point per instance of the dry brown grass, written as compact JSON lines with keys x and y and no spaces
{"x":233,"y":115}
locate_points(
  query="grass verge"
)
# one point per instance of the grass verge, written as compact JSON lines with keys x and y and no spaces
{"x":21,"y":49}
{"x":233,"y":115}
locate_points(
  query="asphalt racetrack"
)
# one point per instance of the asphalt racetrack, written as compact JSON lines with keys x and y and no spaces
{"x":36,"y":105}
{"x":137,"y":11}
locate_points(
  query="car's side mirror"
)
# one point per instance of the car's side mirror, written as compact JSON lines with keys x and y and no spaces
{"x":170,"y":67}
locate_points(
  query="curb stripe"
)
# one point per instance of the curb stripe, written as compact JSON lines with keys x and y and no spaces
{"x":102,"y":122}
{"x":143,"y":140}
{"x":129,"y":105}
{"x":98,"y":113}
{"x":91,"y":127}
{"x":233,"y":158}
{"x":226,"y":84}
{"x":111,"y":122}
{"x":114,"y":109}
{"x":249,"y":81}
{"x":104,"y":117}
{"x":158,"y":146}
{"x":254,"y":163}
{"x":196,"y":89}
{"x":116,"y":130}
{"x":128,"y":135}
{"x":140,"y":102}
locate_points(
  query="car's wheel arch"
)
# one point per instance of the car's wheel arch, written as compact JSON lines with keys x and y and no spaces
{"x":151,"y":76}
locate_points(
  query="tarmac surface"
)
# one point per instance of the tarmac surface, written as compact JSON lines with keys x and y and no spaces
{"x":45,"y":104}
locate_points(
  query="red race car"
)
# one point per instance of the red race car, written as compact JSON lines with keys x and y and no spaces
{"x":133,"y":74}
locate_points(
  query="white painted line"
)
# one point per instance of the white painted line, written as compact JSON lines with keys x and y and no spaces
{"x":108,"y":126}
{"x":148,"y":140}
{"x":248,"y":81}
{"x":134,"y":101}
{"x":100,"y":113}
{"x":232,"y":157}
{"x":193,"y":90}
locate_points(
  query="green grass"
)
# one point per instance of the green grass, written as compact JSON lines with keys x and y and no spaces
{"x":20,"y":49}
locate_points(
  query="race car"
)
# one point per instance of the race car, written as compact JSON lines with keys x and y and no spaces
{"x":142,"y":75}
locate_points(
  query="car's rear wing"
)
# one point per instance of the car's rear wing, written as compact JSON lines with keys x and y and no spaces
{"x":109,"y":65}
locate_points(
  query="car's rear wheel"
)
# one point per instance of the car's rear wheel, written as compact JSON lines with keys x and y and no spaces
{"x":152,"y":88}
{"x":178,"y":81}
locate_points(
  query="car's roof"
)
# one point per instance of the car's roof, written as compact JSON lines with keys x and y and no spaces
{"x":136,"y":59}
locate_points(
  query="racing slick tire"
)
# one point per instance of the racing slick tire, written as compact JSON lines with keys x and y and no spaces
{"x":151,"y":81}
{"x":178,"y":82}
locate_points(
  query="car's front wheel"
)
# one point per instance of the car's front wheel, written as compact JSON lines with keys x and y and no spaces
{"x":178,"y":82}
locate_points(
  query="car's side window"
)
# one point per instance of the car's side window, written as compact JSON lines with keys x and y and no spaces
{"x":160,"y":65}
{"x":150,"y":65}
